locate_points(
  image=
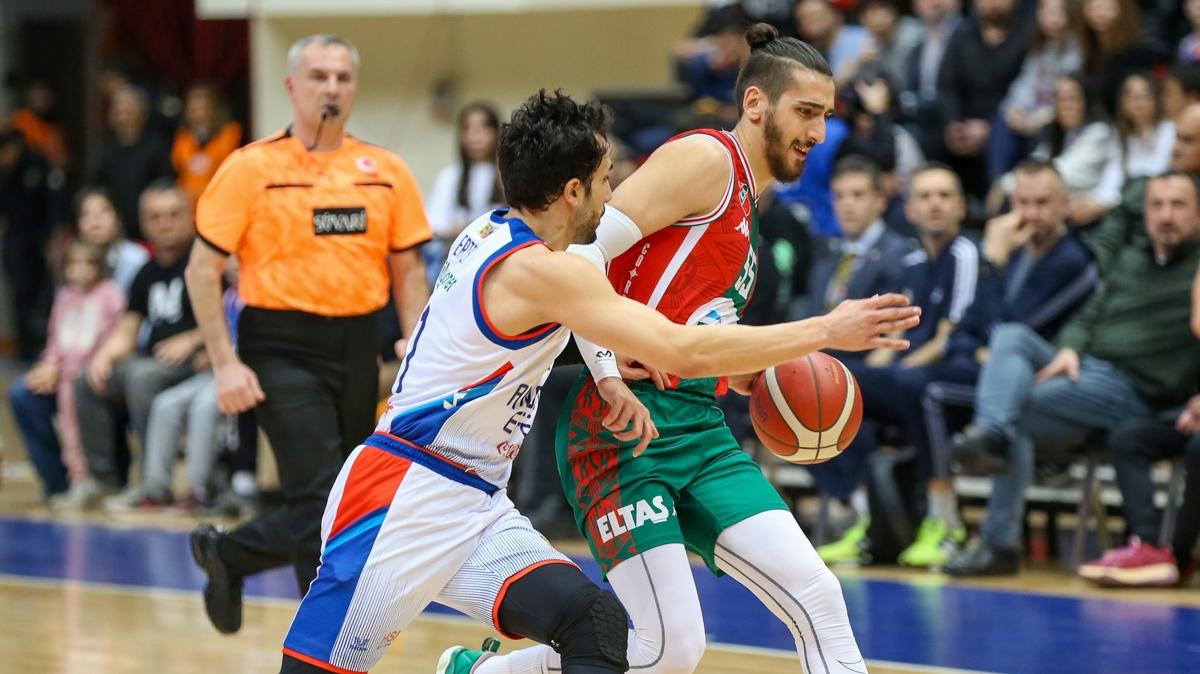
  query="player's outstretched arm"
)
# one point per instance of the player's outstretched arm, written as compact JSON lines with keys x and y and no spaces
{"x":562,"y":288}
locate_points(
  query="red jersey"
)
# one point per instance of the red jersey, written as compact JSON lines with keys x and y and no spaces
{"x":702,"y":269}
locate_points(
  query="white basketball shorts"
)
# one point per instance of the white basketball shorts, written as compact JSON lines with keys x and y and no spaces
{"x":402,"y":528}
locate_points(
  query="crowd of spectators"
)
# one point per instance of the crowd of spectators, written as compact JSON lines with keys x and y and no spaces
{"x":98,"y":298}
{"x":1025,"y":171}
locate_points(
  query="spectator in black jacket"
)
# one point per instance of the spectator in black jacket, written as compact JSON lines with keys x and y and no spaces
{"x":982,"y":60}
{"x":30,"y":208}
{"x":919,"y":91}
{"x":131,"y":158}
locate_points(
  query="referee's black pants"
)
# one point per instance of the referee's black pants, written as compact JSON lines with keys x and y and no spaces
{"x":320,"y":376}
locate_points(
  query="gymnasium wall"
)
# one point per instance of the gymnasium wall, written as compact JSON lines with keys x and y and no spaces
{"x":500,"y":57}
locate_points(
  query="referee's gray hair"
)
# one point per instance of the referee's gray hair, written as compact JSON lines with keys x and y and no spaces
{"x":324,"y":40}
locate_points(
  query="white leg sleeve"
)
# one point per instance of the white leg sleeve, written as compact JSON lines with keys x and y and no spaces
{"x":769,"y":554}
{"x":659,"y":593}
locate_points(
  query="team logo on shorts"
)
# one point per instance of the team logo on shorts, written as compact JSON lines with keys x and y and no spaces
{"x":367,"y":165}
{"x":629,"y":517}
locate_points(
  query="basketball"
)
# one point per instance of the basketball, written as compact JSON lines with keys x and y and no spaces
{"x":806,"y":410}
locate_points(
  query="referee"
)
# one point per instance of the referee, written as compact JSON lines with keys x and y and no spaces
{"x":319,"y":222}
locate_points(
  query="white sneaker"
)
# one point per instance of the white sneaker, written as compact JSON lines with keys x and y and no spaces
{"x":84,"y":496}
{"x":136,"y":497}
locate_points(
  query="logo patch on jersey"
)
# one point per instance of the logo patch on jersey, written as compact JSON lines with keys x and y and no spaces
{"x":335,"y":221}
{"x":486,"y":230}
{"x":629,"y":517}
{"x":367,"y":165}
{"x":744,"y":199}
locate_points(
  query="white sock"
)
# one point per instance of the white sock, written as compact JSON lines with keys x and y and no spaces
{"x":943,"y":506}
{"x":534,"y":660}
{"x":243,"y":483}
{"x":858,"y":501}
{"x":771,"y":557}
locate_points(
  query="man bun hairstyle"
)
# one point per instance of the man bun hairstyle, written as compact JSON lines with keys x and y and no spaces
{"x":760,"y":34}
{"x":772,"y":59}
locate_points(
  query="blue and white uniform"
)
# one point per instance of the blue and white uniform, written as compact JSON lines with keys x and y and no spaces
{"x":419,"y":512}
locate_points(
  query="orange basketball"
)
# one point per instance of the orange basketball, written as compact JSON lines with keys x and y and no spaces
{"x":806,"y":410}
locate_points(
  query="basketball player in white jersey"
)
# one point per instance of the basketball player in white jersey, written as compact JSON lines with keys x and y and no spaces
{"x":419,"y":512}
{"x":680,"y":236}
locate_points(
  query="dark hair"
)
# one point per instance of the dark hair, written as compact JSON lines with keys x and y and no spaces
{"x":1038,"y":40}
{"x":1123,"y":124}
{"x":1179,"y":173}
{"x":220,"y":109}
{"x":1188,"y":76}
{"x":1126,"y":31}
{"x":1035,"y":165}
{"x":492,"y":121}
{"x":858,"y":164}
{"x":893,"y":5}
{"x":771,"y":61}
{"x":930,"y":166}
{"x":1056,"y":135}
{"x":94,"y":191}
{"x":728,"y":19}
{"x":164,"y":185}
{"x":550,"y":140}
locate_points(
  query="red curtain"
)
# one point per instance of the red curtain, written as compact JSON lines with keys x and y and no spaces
{"x":182,"y":48}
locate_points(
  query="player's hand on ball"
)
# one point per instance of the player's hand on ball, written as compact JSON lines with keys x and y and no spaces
{"x":859,"y":325}
{"x":628,"y":418}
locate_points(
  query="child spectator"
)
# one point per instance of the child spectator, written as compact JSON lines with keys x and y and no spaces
{"x":189,"y":410}
{"x":97,"y":223}
{"x":85,"y":311}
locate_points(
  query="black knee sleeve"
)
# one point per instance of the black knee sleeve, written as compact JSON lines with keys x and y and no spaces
{"x":557,"y":605}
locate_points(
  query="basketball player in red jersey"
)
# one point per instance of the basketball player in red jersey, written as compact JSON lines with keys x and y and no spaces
{"x":680,"y":236}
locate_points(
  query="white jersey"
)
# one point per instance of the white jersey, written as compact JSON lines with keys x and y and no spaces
{"x":466,"y":391}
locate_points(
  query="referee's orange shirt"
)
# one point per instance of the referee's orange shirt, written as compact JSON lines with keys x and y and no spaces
{"x":312,"y":230}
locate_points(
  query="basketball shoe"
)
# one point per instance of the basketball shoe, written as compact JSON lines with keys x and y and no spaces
{"x":850,"y":548}
{"x":934,"y":544}
{"x":1138,"y":564}
{"x":460,"y":660}
{"x":222,"y":592}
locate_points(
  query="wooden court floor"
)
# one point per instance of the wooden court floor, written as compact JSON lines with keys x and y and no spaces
{"x":56,"y":616}
{"x":61,"y":627}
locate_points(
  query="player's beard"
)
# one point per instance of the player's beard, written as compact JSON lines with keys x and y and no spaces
{"x":587,"y":220}
{"x":779,"y":161}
